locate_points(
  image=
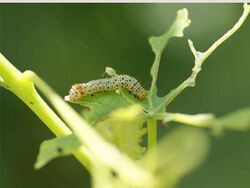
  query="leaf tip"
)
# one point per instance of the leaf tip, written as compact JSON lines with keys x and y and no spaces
{"x":181,"y":22}
{"x":38,"y":165}
{"x":110,"y":71}
{"x":183,"y":14}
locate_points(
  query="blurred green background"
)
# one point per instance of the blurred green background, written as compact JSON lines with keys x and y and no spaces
{"x":68,"y":43}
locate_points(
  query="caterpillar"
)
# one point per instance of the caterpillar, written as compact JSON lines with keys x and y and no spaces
{"x":80,"y":90}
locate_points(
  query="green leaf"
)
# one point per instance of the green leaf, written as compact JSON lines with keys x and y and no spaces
{"x":159,"y":43}
{"x":102,"y":104}
{"x":179,"y":153}
{"x":236,"y":121}
{"x":110,"y":71}
{"x":200,"y":57}
{"x":124,"y":128}
{"x":57,"y":147}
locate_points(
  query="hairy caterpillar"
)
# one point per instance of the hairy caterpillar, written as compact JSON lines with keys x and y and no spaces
{"x":81,"y":90}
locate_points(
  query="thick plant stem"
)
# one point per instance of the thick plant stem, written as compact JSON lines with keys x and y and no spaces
{"x":100,"y":150}
{"x":13,"y":80}
{"x":152,"y":144}
{"x":93,"y":148}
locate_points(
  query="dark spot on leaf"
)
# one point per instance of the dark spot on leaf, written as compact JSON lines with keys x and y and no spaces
{"x":59,"y":150}
{"x":31,"y":102}
{"x":114,"y":174}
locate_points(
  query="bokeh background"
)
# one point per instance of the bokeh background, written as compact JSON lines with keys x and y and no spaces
{"x":68,"y":43}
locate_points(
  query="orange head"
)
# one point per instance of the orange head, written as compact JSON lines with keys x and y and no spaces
{"x":76,"y":92}
{"x":142,"y":94}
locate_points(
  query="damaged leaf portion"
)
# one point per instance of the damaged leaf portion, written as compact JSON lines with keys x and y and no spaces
{"x":102,"y":105}
{"x":124,"y":128}
{"x":159,"y":43}
{"x":57,"y":147}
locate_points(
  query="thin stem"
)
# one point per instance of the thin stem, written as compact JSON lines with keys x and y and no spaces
{"x":200,"y":57}
{"x":152,"y":143}
{"x":197,"y":120}
{"x":155,"y":70}
{"x":174,"y":93}
{"x":231,"y":31}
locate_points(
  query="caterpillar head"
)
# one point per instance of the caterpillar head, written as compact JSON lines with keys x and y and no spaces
{"x":75,"y":93}
{"x":142,"y":94}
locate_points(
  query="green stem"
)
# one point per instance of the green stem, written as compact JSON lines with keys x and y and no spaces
{"x":101,"y":150}
{"x":93,"y":148}
{"x":200,"y":57}
{"x":13,"y":80}
{"x":152,"y":144}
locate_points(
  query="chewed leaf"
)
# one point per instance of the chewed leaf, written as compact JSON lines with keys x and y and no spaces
{"x":179,"y":153}
{"x":181,"y":22}
{"x":102,"y":104}
{"x":115,"y":112}
{"x":57,"y":147}
{"x":159,"y":43}
{"x":127,"y":114}
{"x":124,"y":128}
{"x":104,"y":95}
{"x":176,"y":30}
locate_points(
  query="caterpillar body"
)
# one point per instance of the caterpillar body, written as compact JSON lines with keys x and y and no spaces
{"x":90,"y":88}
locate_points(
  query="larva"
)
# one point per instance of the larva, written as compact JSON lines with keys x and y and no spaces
{"x":81,"y":90}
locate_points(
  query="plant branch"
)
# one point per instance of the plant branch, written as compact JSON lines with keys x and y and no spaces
{"x":16,"y":82}
{"x":152,"y":143}
{"x":198,"y":120}
{"x":102,"y":151}
{"x":200,"y":57}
